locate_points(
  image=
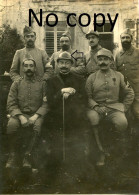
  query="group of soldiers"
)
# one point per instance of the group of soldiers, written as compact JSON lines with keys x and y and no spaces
{"x":71,"y":93}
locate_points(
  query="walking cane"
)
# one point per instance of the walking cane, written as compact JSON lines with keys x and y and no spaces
{"x":63,"y":128}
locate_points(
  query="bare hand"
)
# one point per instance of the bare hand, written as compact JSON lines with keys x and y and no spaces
{"x":23,"y":120}
{"x":33,"y":119}
{"x":100,"y":109}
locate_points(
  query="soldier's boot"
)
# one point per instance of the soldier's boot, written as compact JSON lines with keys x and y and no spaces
{"x":12,"y":141}
{"x":101,"y":159}
{"x":26,"y":162}
{"x":33,"y":143}
{"x":11,"y":160}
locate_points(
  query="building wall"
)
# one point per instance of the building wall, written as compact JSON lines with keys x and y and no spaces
{"x":17,"y":14}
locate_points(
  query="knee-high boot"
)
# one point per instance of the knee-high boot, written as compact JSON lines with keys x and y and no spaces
{"x":101,"y":160}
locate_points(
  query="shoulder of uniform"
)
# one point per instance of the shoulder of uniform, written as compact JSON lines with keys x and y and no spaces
{"x":20,"y":50}
{"x":118,"y":73}
{"x":92,"y":75}
{"x":16,"y":82}
{"x":40,"y":50}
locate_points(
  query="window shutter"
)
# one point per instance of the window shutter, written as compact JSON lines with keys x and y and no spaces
{"x":53,"y":35}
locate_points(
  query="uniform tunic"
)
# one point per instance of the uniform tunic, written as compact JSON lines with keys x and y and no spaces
{"x":26,"y":97}
{"x":91,"y":61}
{"x":39,"y":56}
{"x":127,"y":62}
{"x":103,"y":89}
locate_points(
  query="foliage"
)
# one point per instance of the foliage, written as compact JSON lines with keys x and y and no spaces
{"x":10,"y":42}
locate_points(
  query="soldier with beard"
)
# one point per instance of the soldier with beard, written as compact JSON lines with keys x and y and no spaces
{"x":127,"y":62}
{"x":40,"y":57}
{"x":65,"y":44}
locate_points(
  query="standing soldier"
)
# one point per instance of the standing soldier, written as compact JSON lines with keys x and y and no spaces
{"x":103,"y":88}
{"x":90,"y":57}
{"x":40,"y":57}
{"x":65,"y":44}
{"x":27,"y":107}
{"x":127,"y":62}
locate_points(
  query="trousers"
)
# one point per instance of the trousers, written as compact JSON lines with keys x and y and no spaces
{"x":14,"y":124}
{"x":117,"y":118}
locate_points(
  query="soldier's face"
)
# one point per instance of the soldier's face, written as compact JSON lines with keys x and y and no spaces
{"x":126,"y":40}
{"x":103,"y":62}
{"x":93,"y":40}
{"x":30,"y":39}
{"x":29,"y":68}
{"x":65,"y":43}
{"x":64,"y":66}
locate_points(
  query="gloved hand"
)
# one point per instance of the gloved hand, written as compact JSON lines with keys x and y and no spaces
{"x":23,"y":120}
{"x":100,"y":109}
{"x":69,"y":90}
{"x":66,"y":95}
{"x":33,"y":118}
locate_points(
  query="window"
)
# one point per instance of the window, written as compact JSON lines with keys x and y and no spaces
{"x":105,"y":28}
{"x":106,"y":37}
{"x":53,"y":35}
{"x":130,"y":24}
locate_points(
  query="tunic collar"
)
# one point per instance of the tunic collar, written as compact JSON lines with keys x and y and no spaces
{"x":32,"y":80}
{"x":96,"y":49}
{"x":69,"y":50}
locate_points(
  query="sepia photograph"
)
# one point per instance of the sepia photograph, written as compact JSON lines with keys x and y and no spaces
{"x":69,"y":97}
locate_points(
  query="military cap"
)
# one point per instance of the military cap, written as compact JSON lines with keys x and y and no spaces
{"x":66,"y":34}
{"x":28,"y":30}
{"x":92,"y":32}
{"x":105,"y":52}
{"x":27,"y":56}
{"x":65,"y":56}
{"x":127,"y":31}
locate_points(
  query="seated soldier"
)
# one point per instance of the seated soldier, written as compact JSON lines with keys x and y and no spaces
{"x":103,"y":88}
{"x":27,"y":106}
{"x":66,"y":99}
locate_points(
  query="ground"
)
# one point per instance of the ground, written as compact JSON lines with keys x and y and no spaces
{"x":83,"y":177}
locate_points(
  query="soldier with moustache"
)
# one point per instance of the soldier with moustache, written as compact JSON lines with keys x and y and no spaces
{"x":67,"y":103}
{"x":40,"y":56}
{"x":91,"y":56}
{"x":27,"y":105}
{"x":103,"y":88}
{"x":127,"y":62}
{"x":78,"y":67}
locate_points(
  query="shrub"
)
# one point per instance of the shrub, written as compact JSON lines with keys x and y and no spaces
{"x":10,"y":42}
